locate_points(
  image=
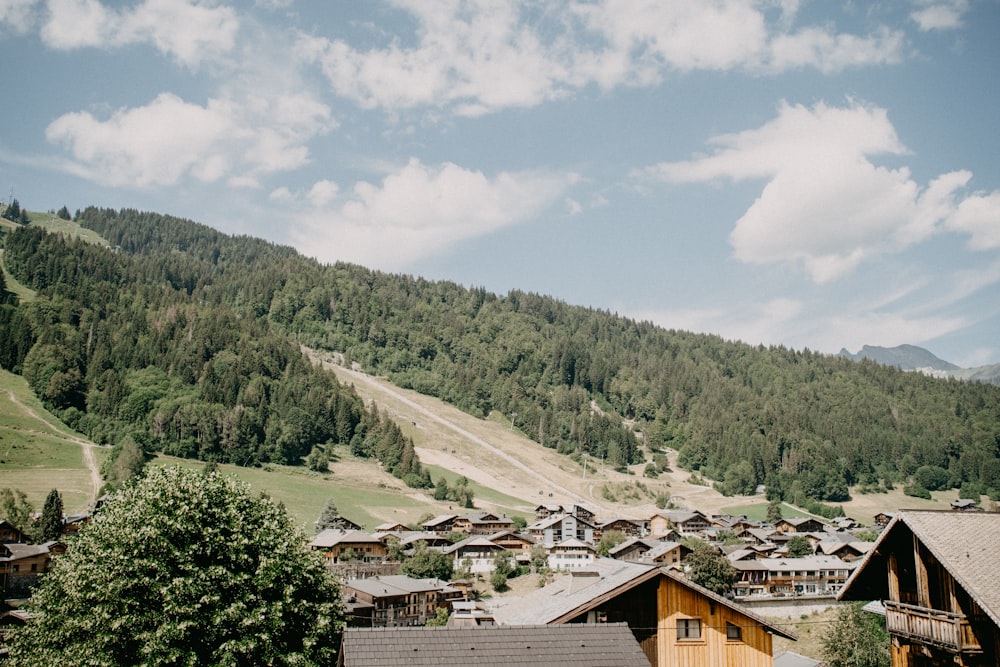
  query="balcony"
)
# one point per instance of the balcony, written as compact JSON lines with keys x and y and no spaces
{"x":942,"y":629}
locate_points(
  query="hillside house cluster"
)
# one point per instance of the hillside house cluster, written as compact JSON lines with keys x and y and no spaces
{"x":567,"y":540}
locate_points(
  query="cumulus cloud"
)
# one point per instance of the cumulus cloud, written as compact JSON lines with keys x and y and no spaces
{"x":188,"y":30}
{"x":170,"y":139}
{"x":479,"y":56}
{"x":416,"y":211}
{"x":825,"y":204}
{"x":17,"y":15}
{"x":938,"y":15}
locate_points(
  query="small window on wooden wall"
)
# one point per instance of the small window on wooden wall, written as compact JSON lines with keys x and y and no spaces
{"x":688,"y":628}
{"x":734,"y":633}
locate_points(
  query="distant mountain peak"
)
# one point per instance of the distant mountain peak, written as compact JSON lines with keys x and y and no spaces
{"x":905,"y":357}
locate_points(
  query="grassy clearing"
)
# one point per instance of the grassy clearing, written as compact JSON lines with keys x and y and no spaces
{"x":758,"y":511}
{"x":501,"y":501}
{"x":37,"y":453}
{"x":54,"y":223}
{"x":304,"y":493}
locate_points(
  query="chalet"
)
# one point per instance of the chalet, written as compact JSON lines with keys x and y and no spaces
{"x":965,"y":505}
{"x":801,"y":524}
{"x":546,"y":510}
{"x":21,"y":564}
{"x":516,"y":543}
{"x":469,"y":614}
{"x":582,"y":512}
{"x":391,"y":527}
{"x":9,"y":532}
{"x":632,"y":550}
{"x":398,"y":600}
{"x":409,"y":540}
{"x":477,"y":553}
{"x":675,"y":621}
{"x":493,"y":646}
{"x":481,"y":523}
{"x":571,"y":554}
{"x":625,"y":526}
{"x":561,"y":527}
{"x":791,"y":577}
{"x":338,"y":545}
{"x":882,"y":519}
{"x":342,"y":523}
{"x":936,"y":574}
{"x":845,"y":551}
{"x":442,"y":523}
{"x":684,"y":521}
{"x":669,"y":554}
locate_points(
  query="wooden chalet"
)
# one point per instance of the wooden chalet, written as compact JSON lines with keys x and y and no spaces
{"x":683,"y":521}
{"x":21,"y":564}
{"x":802,"y":524}
{"x":937,"y":574}
{"x":337,"y":545}
{"x":398,"y":600}
{"x":675,"y":621}
{"x":481,"y":523}
{"x":546,"y":510}
{"x":516,"y":543}
{"x":627,"y":527}
{"x":442,"y":523}
{"x":475,"y":552}
{"x":9,"y":532}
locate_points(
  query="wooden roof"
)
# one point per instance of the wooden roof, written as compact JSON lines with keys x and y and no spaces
{"x":573,"y":645}
{"x":967,"y":544}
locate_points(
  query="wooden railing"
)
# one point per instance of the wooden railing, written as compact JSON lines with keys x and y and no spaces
{"x":931,"y":626}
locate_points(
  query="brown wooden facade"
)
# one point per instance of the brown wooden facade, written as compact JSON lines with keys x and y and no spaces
{"x":930,"y":581}
{"x":679,"y":624}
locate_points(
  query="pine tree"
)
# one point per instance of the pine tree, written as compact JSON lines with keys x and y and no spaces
{"x":51,"y":525}
{"x":329,"y":517}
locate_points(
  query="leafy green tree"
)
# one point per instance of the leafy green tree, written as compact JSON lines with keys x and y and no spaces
{"x":318,"y":460}
{"x":774,"y":511}
{"x":856,"y":639}
{"x":932,"y":478}
{"x":520,"y":523}
{"x":126,"y":461}
{"x":609,"y":540}
{"x":50,"y":527}
{"x":799,"y":546}
{"x":441,"y":489}
{"x":15,"y":508}
{"x":440,"y":618}
{"x":503,"y":568}
{"x":427,"y":563}
{"x":706,"y":567}
{"x":184,"y":567}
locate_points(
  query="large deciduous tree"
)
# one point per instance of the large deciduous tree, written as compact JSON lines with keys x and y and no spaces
{"x":184,"y":567}
{"x":856,"y":639}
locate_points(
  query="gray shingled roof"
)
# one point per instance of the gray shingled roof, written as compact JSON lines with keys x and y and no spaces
{"x":574,"y":645}
{"x":967,"y":544}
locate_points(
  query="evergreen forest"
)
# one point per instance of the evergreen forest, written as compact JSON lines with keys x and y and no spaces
{"x":189,"y":341}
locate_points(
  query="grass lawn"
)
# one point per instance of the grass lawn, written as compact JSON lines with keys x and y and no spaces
{"x":758,"y":511}
{"x":486,"y":494}
{"x":304,"y":494}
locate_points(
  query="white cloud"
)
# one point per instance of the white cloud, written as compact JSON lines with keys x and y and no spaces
{"x":188,"y":30}
{"x":18,"y":15}
{"x":169,"y":139}
{"x":417,"y":211}
{"x":937,"y":15}
{"x":826,"y":205}
{"x":479,"y":56}
{"x":979,"y":216}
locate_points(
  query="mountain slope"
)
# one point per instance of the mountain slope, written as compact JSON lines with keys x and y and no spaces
{"x":904,"y":357}
{"x":197,"y":307}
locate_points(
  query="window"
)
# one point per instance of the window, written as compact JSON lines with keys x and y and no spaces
{"x":688,"y":628}
{"x":734,"y":632}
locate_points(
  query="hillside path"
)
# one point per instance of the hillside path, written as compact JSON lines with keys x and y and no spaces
{"x":88,"y":447}
{"x":367,"y":379}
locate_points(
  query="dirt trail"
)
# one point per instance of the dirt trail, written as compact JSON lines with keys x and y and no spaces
{"x":88,"y":447}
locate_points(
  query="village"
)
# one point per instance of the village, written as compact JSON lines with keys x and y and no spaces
{"x":929,"y":574}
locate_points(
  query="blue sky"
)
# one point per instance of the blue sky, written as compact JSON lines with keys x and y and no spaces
{"x":812,"y":174}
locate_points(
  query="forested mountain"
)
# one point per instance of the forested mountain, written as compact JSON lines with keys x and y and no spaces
{"x":188,"y":336}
